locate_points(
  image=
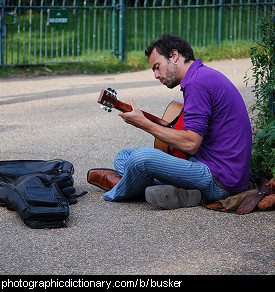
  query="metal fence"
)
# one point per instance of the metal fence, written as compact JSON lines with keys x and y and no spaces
{"x":55,"y":31}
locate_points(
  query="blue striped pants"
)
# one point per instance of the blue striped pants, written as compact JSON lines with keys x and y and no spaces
{"x":146,"y":166}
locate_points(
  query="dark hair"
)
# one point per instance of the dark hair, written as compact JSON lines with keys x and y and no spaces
{"x":167,"y":43}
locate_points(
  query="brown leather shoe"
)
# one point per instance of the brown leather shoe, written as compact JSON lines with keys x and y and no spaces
{"x":267,"y":202}
{"x":103,"y":178}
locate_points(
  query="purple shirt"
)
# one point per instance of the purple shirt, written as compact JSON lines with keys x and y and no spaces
{"x":214,"y":108}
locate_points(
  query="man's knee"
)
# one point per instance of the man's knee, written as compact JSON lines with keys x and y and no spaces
{"x":122,"y":156}
{"x":143,"y":153}
{"x":141,"y":156}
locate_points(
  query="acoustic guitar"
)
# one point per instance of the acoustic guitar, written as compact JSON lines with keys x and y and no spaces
{"x":108,"y":100}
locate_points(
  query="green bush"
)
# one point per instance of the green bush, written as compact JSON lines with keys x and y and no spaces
{"x":263,"y":64}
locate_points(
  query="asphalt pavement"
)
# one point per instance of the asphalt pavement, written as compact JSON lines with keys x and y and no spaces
{"x":59,"y":117}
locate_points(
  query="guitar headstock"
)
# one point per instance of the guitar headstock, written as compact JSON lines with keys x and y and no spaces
{"x":108,"y":99}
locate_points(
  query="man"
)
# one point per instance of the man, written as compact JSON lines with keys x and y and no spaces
{"x":215,"y":131}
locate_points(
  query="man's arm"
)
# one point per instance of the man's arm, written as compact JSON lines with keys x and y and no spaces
{"x":186,"y":141}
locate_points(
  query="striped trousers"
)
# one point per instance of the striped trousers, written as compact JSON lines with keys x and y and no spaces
{"x":147,"y":166}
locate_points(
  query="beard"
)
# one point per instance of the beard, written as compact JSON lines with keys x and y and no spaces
{"x":172,"y":79}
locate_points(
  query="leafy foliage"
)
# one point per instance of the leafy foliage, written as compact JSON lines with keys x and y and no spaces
{"x":263,"y":63}
{"x":263,"y":151}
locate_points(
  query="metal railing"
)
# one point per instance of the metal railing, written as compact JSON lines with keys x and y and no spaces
{"x":55,"y":31}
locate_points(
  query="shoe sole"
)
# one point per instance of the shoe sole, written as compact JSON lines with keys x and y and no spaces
{"x":170,"y":197}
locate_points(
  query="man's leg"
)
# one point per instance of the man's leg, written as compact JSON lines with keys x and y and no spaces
{"x":145,"y":164}
{"x":121,"y":158}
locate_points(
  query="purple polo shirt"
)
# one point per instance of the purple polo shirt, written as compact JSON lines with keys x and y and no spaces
{"x":214,"y":108}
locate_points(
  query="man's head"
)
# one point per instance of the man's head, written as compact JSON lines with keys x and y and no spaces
{"x":167,"y":43}
{"x":169,"y":57}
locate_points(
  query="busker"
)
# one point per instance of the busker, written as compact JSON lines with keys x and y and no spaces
{"x":214,"y":132}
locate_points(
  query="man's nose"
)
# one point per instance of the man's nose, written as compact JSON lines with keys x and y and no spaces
{"x":157,"y":76}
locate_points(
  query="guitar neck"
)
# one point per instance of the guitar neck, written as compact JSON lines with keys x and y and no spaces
{"x":124,"y":107}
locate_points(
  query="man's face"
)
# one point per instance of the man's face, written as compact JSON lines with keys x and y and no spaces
{"x":164,"y":69}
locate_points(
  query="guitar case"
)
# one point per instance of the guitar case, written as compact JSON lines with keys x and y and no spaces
{"x":40,"y":191}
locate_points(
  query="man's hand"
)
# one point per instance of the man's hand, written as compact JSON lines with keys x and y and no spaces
{"x":135,"y":117}
{"x":186,"y":141}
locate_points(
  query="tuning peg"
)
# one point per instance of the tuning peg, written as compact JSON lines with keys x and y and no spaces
{"x":111,"y":92}
{"x":106,"y":108}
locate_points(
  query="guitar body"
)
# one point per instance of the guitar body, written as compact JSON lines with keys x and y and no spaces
{"x":171,"y":112}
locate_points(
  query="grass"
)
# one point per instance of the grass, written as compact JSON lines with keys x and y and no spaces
{"x":238,"y":50}
{"x":133,"y":62}
{"x":92,"y":34}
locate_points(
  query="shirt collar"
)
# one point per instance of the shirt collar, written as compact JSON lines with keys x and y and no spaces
{"x":196,"y":64}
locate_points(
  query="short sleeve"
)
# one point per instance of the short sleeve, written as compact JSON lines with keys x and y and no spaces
{"x":197,"y":109}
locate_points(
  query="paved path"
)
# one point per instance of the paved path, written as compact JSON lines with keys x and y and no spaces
{"x":58,"y":117}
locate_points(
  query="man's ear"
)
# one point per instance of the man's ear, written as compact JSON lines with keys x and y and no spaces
{"x":174,"y":55}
